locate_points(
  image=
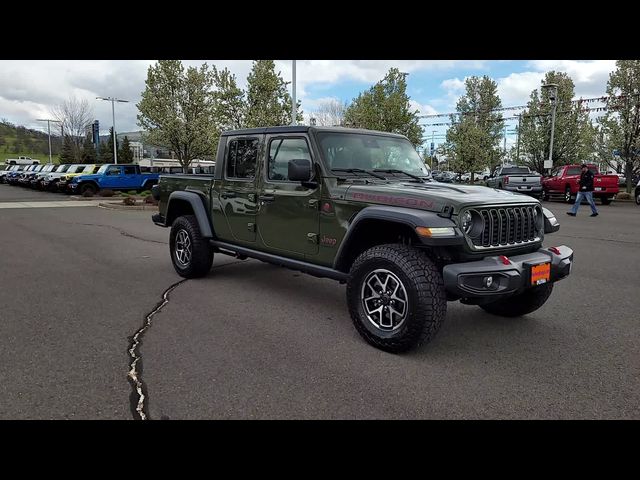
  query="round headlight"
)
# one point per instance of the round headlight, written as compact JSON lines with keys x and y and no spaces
{"x":539,"y":219}
{"x":467,"y":222}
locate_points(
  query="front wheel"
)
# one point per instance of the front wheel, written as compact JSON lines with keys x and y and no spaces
{"x":567,"y":195}
{"x":191,"y":253}
{"x":638,"y":196}
{"x":517,"y":305}
{"x":396,"y":297}
{"x":88,"y":188}
{"x":606,"y":200}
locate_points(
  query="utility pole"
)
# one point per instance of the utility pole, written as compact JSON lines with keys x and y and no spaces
{"x":113,"y":114}
{"x":49,"y":130}
{"x":293,"y":91}
{"x":553,"y":97}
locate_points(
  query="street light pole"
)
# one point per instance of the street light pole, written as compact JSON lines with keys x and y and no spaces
{"x":113,"y":115}
{"x":518,"y":140}
{"x":49,"y":131}
{"x":553,"y":97}
{"x":293,"y":91}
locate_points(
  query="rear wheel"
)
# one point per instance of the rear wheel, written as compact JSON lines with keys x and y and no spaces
{"x":396,"y":297}
{"x":545,"y":195}
{"x":606,"y":200}
{"x":517,"y":305}
{"x":191,"y":253}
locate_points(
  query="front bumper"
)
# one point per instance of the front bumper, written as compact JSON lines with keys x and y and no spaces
{"x":468,"y":280}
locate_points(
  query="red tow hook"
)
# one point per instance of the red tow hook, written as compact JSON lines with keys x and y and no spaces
{"x":504,"y":260}
{"x":555,"y":250}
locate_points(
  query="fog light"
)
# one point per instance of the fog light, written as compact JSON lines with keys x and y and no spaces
{"x":487,"y":281}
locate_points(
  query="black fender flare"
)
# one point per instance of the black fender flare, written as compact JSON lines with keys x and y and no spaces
{"x":197,"y":202}
{"x":149,"y":182}
{"x":405,"y":216}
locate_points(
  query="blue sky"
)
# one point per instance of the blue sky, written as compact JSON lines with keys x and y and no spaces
{"x":29,"y":88}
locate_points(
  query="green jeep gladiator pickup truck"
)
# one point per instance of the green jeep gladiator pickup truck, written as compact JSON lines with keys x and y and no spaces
{"x":359,"y":206}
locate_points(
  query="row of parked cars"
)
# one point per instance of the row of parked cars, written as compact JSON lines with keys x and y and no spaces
{"x":85,"y":178}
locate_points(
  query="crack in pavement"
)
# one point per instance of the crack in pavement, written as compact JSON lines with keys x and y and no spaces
{"x":121,"y":232}
{"x":135,"y":367}
{"x":134,"y":375}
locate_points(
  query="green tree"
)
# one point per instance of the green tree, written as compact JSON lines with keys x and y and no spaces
{"x":177,"y":110}
{"x":620,"y":127}
{"x":67,"y":153}
{"x":125,"y":155}
{"x":473,"y":140}
{"x":109,"y":145}
{"x":573,"y":133}
{"x":88,"y":151}
{"x":105,"y":154}
{"x":267,"y":101}
{"x":385,"y":107}
{"x":229,"y":101}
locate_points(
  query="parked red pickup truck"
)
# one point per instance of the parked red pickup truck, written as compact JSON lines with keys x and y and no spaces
{"x":565,"y":180}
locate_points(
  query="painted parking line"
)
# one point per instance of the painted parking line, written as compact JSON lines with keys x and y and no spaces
{"x":47,"y":204}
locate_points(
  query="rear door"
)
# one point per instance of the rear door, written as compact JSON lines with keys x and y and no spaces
{"x":289,"y":213}
{"x":238,"y":192}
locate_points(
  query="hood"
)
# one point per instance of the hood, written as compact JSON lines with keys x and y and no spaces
{"x":433,"y":196}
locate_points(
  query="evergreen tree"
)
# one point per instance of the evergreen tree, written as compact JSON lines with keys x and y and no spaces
{"x":88,"y":151}
{"x":125,"y":155}
{"x":66,"y":155}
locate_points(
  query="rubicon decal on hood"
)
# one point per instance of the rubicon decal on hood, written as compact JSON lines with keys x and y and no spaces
{"x":392,"y":200}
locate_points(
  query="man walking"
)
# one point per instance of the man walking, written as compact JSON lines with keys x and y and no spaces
{"x":586,"y":191}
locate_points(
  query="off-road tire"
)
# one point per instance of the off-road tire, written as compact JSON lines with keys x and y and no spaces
{"x":201,"y":257}
{"x":637,"y":196}
{"x":86,"y":187}
{"x":427,"y":301}
{"x":526,"y":302}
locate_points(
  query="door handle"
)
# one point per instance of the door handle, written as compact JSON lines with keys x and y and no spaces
{"x":228,"y":194}
{"x":267,"y":198}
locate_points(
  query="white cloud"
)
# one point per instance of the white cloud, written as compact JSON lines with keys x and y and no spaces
{"x":423,"y":109}
{"x":453,"y":85}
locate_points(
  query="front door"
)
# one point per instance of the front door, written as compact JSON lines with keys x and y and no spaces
{"x":112,"y":178}
{"x":238,"y":192}
{"x":130,"y":179}
{"x":289,"y":214}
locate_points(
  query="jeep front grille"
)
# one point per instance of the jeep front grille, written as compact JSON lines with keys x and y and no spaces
{"x":506,"y":226}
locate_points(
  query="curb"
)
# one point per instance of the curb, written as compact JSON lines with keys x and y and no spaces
{"x":117,"y":206}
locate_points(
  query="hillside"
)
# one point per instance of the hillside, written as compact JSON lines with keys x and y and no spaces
{"x":17,"y":140}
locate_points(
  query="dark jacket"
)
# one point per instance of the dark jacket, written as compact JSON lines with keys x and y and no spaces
{"x":586,"y":181}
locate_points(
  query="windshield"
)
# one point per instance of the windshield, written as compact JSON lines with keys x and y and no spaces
{"x":103,"y":169}
{"x":370,"y":152}
{"x":75,"y":168}
{"x":88,"y":169}
{"x":514,"y":170}
{"x":63,"y":168}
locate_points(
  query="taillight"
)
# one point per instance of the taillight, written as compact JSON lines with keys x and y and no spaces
{"x":506,"y":180}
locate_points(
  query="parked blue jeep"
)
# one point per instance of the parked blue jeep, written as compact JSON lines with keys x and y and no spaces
{"x":114,"y":177}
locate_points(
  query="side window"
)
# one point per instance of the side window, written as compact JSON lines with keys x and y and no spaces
{"x":130,"y":170}
{"x":242,"y":157}
{"x":281,"y":151}
{"x":113,"y":170}
{"x":574,"y":171}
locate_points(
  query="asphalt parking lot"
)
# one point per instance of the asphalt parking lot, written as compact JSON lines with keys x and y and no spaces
{"x":253,"y":340}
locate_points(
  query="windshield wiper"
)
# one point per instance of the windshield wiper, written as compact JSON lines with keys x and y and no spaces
{"x":358,"y":170}
{"x":395,"y":170}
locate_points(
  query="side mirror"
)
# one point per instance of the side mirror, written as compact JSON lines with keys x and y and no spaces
{"x":299,"y":170}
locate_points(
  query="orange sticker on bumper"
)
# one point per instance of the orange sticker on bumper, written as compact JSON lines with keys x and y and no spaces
{"x":540,"y":273}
